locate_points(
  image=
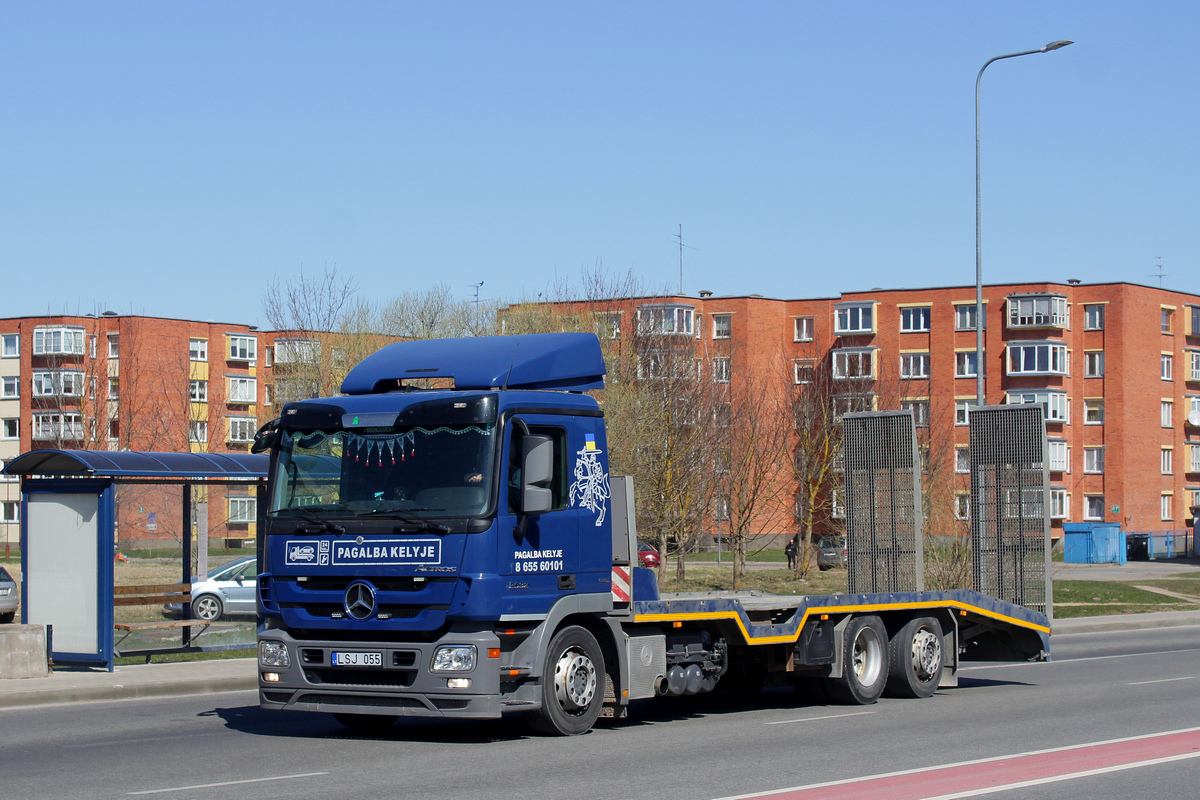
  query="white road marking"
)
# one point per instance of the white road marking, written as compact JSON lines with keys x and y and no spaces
{"x":230,"y":783}
{"x":1087,"y":773}
{"x":1162,"y":680}
{"x":814,"y":719}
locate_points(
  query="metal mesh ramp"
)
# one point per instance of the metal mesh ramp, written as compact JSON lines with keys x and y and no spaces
{"x":1010,"y":518}
{"x":883,"y":502}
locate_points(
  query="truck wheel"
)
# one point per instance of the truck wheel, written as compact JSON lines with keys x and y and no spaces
{"x":864,"y":663}
{"x":915,"y":658}
{"x":207,"y":607}
{"x":572,"y":684}
{"x":365,"y":723}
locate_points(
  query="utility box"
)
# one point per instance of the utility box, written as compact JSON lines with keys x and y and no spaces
{"x":1093,"y":543}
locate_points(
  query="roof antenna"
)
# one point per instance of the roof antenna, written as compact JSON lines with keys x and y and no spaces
{"x":1160,"y":274}
{"x":477,"y":285}
{"x":511,"y":364}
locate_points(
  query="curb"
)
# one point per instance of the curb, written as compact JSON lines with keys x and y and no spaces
{"x":118,"y":691}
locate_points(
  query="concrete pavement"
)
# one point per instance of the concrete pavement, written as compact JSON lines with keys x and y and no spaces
{"x":240,"y":674}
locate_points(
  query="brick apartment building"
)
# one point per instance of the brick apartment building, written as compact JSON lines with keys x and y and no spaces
{"x":114,"y":382}
{"x":1117,"y":367}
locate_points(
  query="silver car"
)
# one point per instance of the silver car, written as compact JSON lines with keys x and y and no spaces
{"x":228,"y":591}
{"x":10,"y":596}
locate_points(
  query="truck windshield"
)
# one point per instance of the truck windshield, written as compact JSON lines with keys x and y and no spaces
{"x":414,"y":471}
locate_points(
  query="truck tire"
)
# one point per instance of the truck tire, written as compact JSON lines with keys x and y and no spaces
{"x":572,"y":684}
{"x":915,"y":658}
{"x":365,"y":723}
{"x":864,"y":663}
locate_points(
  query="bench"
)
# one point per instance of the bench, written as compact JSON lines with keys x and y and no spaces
{"x":158,"y":594}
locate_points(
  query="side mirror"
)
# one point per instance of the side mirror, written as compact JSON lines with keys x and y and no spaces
{"x":266,"y":437}
{"x":537,"y":470}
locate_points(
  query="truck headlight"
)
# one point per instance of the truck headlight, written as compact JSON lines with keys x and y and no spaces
{"x":454,"y":658}
{"x":273,"y":654}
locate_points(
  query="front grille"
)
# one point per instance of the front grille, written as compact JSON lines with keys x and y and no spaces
{"x":398,"y":584}
{"x":344,"y":700}
{"x":276,"y":697}
{"x":391,"y":678}
{"x":450,"y":704}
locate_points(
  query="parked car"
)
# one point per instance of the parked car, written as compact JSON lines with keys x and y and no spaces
{"x":648,"y":555}
{"x":10,"y":596}
{"x":228,"y":591}
{"x":831,"y":552}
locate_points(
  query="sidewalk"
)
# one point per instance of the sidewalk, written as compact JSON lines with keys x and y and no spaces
{"x":240,"y":674}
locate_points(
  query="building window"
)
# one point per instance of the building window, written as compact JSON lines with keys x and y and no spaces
{"x":1167,"y":408}
{"x":1093,"y":411}
{"x":268,"y":356}
{"x":1037,"y":311}
{"x":241,"y":429}
{"x":964,"y":318}
{"x":52,"y":425}
{"x":10,"y":428}
{"x":1165,"y":458}
{"x":1194,"y":360}
{"x":914,"y":320}
{"x":720,"y":368}
{"x":1093,"y":317}
{"x":198,"y":431}
{"x":803,"y":329}
{"x":1093,"y":364}
{"x":114,"y":389}
{"x":721,"y":509}
{"x":1056,"y":404}
{"x":198,"y":349}
{"x":10,"y":511}
{"x":266,"y":401}
{"x":962,"y":459}
{"x":243,"y":348}
{"x":966,"y":365}
{"x":837,"y":504}
{"x":58,"y":383}
{"x":672,"y":320}
{"x":64,"y":341}
{"x":1060,"y":456}
{"x":962,"y":506}
{"x":10,"y":345}
{"x":297,"y":351}
{"x":802,"y":370}
{"x":962,"y":410}
{"x":919,"y":409}
{"x":114,"y":345}
{"x":198,"y":391}
{"x":1194,"y":402}
{"x":242,"y":510}
{"x":1023,"y":503}
{"x":721,"y":326}
{"x":852,"y":404}
{"x":11,"y":388}
{"x":1164,"y":506}
{"x":663,"y":363}
{"x":243,"y":390}
{"x":854,"y":364}
{"x":114,"y":430}
{"x":1093,"y":460}
{"x":1194,"y":453}
{"x":1059,"y":503}
{"x":1166,"y":362}
{"x":1039,"y":358}
{"x":1168,"y":321}
{"x":914,"y":365}
{"x":854,"y":318}
{"x":1093,"y":507}
{"x":608,"y":325}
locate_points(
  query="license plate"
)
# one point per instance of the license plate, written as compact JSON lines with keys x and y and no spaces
{"x":368,"y":659}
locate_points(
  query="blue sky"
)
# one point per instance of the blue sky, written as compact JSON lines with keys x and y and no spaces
{"x":172,"y":158}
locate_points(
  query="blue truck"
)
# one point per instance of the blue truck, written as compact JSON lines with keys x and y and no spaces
{"x":444,"y":539}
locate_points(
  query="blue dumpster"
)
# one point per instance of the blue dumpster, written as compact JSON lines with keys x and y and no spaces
{"x":1093,"y":543}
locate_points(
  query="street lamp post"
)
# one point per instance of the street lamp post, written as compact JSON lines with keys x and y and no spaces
{"x":979,"y":396}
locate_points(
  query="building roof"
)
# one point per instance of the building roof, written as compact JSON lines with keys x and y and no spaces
{"x":125,"y":464}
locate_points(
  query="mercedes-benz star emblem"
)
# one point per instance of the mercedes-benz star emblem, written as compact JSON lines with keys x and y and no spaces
{"x":360,"y":600}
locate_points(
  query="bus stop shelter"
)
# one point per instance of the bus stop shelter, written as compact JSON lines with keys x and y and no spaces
{"x":68,"y":525}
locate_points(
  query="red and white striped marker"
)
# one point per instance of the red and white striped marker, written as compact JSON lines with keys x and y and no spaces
{"x":620,"y":584}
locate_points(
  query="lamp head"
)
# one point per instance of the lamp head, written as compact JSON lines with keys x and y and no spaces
{"x":1055,"y":45}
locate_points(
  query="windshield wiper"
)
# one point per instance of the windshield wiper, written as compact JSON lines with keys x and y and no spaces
{"x":302,"y":511}
{"x":404,"y":515}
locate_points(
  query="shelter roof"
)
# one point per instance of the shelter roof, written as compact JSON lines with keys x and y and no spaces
{"x":125,"y":464}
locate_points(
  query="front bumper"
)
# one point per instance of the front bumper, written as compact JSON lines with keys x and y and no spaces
{"x":404,"y":686}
